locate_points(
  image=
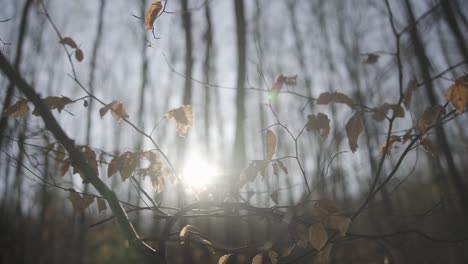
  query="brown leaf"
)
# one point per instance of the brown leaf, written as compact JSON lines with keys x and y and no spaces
{"x":80,"y":203}
{"x":270,"y":141}
{"x":152,"y":14}
{"x":353,"y":130}
{"x":183,"y":117}
{"x":337,"y":222}
{"x":382,"y":111}
{"x":371,"y":58}
{"x":54,"y":102}
{"x":64,"y":167}
{"x":457,"y":94}
{"x":412,"y":85}
{"x":258,"y":259}
{"x":318,"y":236}
{"x":335,"y":97}
{"x":101,"y":203}
{"x":407,"y":136}
{"x":226,"y":259}
{"x":68,"y":41}
{"x":20,"y":108}
{"x":428,"y":146}
{"x":90,"y":158}
{"x":157,"y":183}
{"x":129,"y":163}
{"x":391,"y":141}
{"x":319,"y":123}
{"x":274,"y":197}
{"x":429,"y":117}
{"x":282,"y":167}
{"x":114,"y":166}
{"x":60,"y":153}
{"x":79,"y":55}
{"x":118,"y":110}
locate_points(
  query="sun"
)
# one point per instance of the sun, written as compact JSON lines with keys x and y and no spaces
{"x":198,"y":172}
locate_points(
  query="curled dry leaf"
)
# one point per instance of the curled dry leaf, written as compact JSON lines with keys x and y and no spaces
{"x":412,"y":85}
{"x":152,"y":14}
{"x":353,"y":130}
{"x":79,"y":55}
{"x":429,"y":117}
{"x":69,"y":42}
{"x":54,"y":102}
{"x":318,"y":123}
{"x":335,"y":97}
{"x":457,"y":93}
{"x":183,"y":117}
{"x":270,"y":140}
{"x":20,"y":108}
{"x":318,"y":236}
{"x":381,"y":112}
{"x":118,"y":110}
{"x":391,"y":141}
{"x":371,"y":58}
{"x":79,"y":202}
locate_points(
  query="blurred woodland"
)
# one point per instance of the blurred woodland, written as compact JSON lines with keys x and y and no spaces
{"x":233,"y":131}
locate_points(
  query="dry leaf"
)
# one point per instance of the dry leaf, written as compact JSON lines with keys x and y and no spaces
{"x":382,"y":111}
{"x":80,"y":203}
{"x":273,"y":257}
{"x":372,"y":58}
{"x":429,"y":117}
{"x":258,"y":259}
{"x":335,"y":97}
{"x":275,"y":168}
{"x":20,"y":108}
{"x":226,"y":259}
{"x":118,"y":110}
{"x":391,"y":141}
{"x":282,"y":167}
{"x":152,"y":14}
{"x":183,"y":117}
{"x":270,"y":141}
{"x":412,"y":85}
{"x":157,"y":183}
{"x":248,"y":174}
{"x":64,"y":167}
{"x":319,"y":123}
{"x":54,"y":102}
{"x":79,"y":55}
{"x":337,"y":222}
{"x":318,"y":236}
{"x":407,"y":136}
{"x":428,"y":146}
{"x":353,"y":130}
{"x":101,"y":203}
{"x":90,"y":157}
{"x":60,"y":153}
{"x":457,"y":94}
{"x":68,"y":41}
{"x":274,"y":197}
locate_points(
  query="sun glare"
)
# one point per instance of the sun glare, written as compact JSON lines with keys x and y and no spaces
{"x":197,"y":172}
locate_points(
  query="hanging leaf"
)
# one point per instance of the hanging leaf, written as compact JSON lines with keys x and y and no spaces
{"x":457,"y":93}
{"x":391,"y":141}
{"x":382,"y":111}
{"x":319,"y":123}
{"x":60,"y":153}
{"x":91,"y":161}
{"x":79,"y":55}
{"x":318,"y":236}
{"x":271,"y":142}
{"x":430,"y":117}
{"x":118,"y":110}
{"x":101,"y":203}
{"x":80,"y":203}
{"x":428,"y":146}
{"x":69,"y":42}
{"x":183,"y":117}
{"x":353,"y":130}
{"x":64,"y":167}
{"x":407,"y":136}
{"x":335,"y":97}
{"x":282,"y":167}
{"x":226,"y":259}
{"x":54,"y":102}
{"x":152,"y":14}
{"x":157,"y":182}
{"x":412,"y":85}
{"x":258,"y":259}
{"x":20,"y":108}
{"x":371,"y":58}
{"x":274,"y":197}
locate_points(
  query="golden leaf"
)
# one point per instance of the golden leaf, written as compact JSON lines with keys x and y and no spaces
{"x":457,"y":93}
{"x":318,"y":236}
{"x":80,"y":203}
{"x":319,"y":123}
{"x":183,"y":117}
{"x":79,"y":55}
{"x":335,"y":97}
{"x":353,"y":130}
{"x":412,"y":85}
{"x":68,"y":41}
{"x":271,"y":141}
{"x":152,"y":14}
{"x":429,"y":117}
{"x":20,"y":108}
